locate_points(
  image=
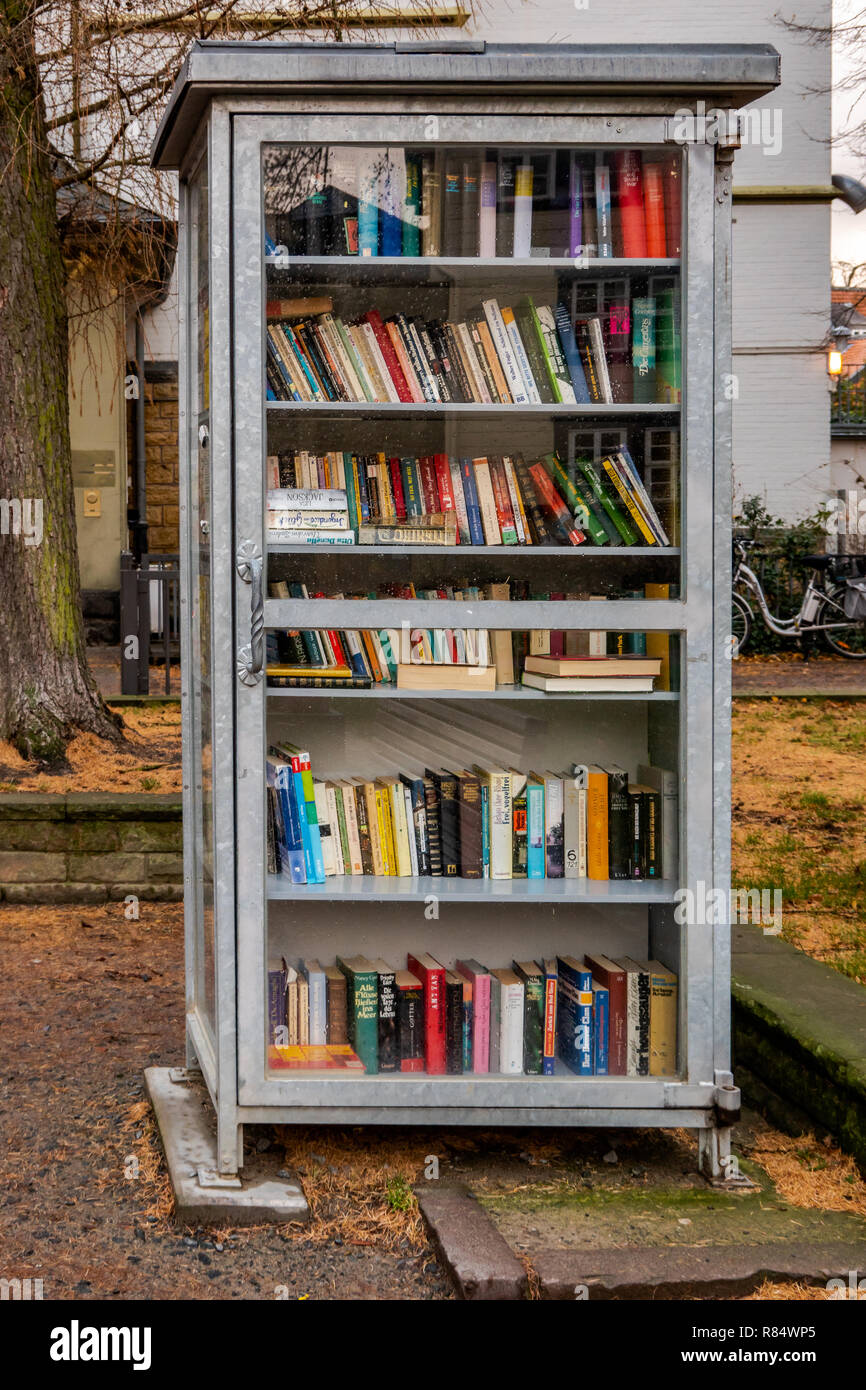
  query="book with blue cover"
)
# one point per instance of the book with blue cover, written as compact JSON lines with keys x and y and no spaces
{"x":534,"y":829}
{"x":280,"y":777}
{"x":600,"y":1028}
{"x":568,"y":343}
{"x":305,"y":800}
{"x":574,"y":1015}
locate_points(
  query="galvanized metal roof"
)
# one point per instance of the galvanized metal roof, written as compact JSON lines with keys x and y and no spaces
{"x":730,"y":73}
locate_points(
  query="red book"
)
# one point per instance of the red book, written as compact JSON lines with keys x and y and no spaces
{"x":501,"y":497}
{"x":432,"y":977}
{"x":629,"y":186}
{"x":606,"y":972}
{"x":654,"y":208}
{"x":429,"y":486}
{"x":397,"y":488}
{"x":444,"y":489}
{"x":374,"y":318}
{"x":673,"y":205}
{"x":550,"y":498}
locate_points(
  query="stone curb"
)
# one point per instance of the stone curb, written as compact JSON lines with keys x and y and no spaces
{"x":478,"y":1259}
{"x":688,"y":1271}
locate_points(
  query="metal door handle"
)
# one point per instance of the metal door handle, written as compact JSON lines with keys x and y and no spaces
{"x":250,"y":566}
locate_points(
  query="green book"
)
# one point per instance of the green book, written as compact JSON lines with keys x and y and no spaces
{"x":362,"y":1009}
{"x":604,"y":495}
{"x":580,"y":502}
{"x":411,"y":228}
{"x":643,"y":350}
{"x":668,"y":363}
{"x":545,"y":335}
{"x":341,"y":826}
{"x":533,"y":1014}
{"x":351,"y":495}
{"x":537,"y":358}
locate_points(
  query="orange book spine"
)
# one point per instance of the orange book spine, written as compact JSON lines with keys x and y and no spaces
{"x":597,"y":864}
{"x":654,"y":209}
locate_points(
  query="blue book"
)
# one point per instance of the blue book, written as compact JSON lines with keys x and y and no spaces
{"x":470,"y":494}
{"x":270,"y":246}
{"x":305,"y":800}
{"x":574,"y":1016}
{"x":568,"y":343}
{"x":368,"y":205}
{"x":269,"y":395}
{"x":600,"y":1019}
{"x":292,"y":854}
{"x":534,"y":829}
{"x":485,"y":829}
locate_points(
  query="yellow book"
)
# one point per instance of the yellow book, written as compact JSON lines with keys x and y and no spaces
{"x":373,"y":827}
{"x":400,"y":825}
{"x":633,"y":509}
{"x":663,"y":1020}
{"x":386,"y":833}
{"x":658,"y":644}
{"x":597,"y":851}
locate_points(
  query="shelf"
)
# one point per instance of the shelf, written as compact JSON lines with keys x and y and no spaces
{"x":444,"y":270}
{"x":556,"y":891}
{"x":410,"y":409}
{"x":511,"y":693}
{"x":403,"y":552}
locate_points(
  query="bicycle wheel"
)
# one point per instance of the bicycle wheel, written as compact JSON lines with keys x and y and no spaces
{"x":741,"y":625}
{"x":844,"y":641}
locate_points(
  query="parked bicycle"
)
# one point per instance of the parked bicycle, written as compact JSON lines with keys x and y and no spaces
{"x":834,"y":603}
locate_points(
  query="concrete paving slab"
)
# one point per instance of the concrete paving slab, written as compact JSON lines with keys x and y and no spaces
{"x":688,"y":1271}
{"x":476,"y":1256}
{"x":185,"y":1118}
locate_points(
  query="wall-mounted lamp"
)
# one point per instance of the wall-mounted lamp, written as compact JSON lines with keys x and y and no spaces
{"x":834,"y":362}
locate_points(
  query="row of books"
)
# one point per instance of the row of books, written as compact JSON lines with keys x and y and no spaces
{"x":334,"y":498}
{"x":527,"y":355}
{"x":336,"y":658}
{"x":389,"y":201}
{"x":476,"y":823}
{"x":598,"y":1017}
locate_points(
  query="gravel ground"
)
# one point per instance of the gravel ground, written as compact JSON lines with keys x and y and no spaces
{"x":87,"y":1001}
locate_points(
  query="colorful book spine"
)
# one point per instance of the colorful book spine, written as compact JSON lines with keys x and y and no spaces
{"x":600,"y":1016}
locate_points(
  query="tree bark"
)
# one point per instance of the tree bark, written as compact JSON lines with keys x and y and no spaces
{"x":46,"y":689}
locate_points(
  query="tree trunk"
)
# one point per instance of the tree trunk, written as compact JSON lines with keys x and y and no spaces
{"x":46,"y":689}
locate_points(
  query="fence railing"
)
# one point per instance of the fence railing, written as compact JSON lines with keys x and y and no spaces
{"x":149,"y":619}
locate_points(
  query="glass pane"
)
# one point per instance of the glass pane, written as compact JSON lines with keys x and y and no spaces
{"x":202,"y":655}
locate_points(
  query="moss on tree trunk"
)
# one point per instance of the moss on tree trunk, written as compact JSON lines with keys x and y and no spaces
{"x":46,"y":689}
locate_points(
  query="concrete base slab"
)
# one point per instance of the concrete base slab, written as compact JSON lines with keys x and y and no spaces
{"x":688,"y":1271}
{"x":476,"y":1256}
{"x":185,"y":1119}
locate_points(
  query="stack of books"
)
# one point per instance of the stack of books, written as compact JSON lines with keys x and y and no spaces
{"x":435,"y":499}
{"x":476,"y":822}
{"x":594,"y":1017}
{"x":389,"y":201}
{"x":592,"y":674}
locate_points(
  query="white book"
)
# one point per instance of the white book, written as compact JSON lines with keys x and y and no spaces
{"x":334,"y":823}
{"x":368,"y":361}
{"x":460,"y":504}
{"x":329,"y":858}
{"x":495,"y":1021}
{"x":350,"y":810}
{"x":482,"y":647}
{"x":351,"y":380}
{"x":599,"y":355}
{"x":310,"y":537}
{"x":487,"y":212}
{"x":306,"y":521}
{"x":476,"y":375}
{"x":667,"y":785}
{"x":401,"y":829}
{"x":318,"y":983}
{"x":410,"y":826}
{"x":486,"y":502}
{"x":510,"y":1022}
{"x":500,"y":804}
{"x":381,"y":365}
{"x":523,"y":210}
{"x":502,"y":344}
{"x":514,"y":498}
{"x":574,"y":827}
{"x":298,"y":499}
{"x":554,"y":814}
{"x":520,"y":355}
{"x":637,"y":1016}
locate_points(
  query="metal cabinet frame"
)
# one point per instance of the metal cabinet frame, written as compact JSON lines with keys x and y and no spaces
{"x":230,"y":99}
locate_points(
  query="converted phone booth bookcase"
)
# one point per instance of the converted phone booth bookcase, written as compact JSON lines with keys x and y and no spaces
{"x":420,"y":190}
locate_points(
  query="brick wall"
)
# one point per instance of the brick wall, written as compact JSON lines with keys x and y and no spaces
{"x":160,"y":432}
{"x":90,"y":847}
